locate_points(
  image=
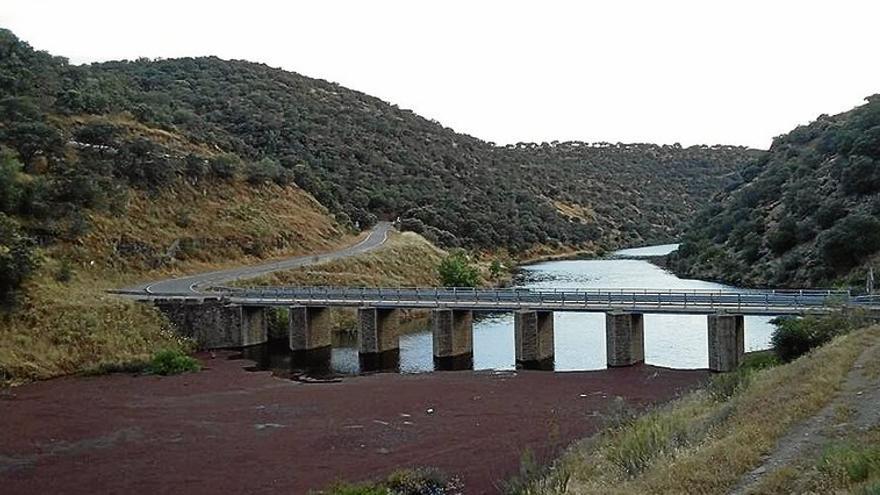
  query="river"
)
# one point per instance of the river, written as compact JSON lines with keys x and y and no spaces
{"x":676,"y":341}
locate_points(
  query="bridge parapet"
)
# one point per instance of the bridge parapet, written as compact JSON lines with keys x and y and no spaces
{"x":684,"y":301}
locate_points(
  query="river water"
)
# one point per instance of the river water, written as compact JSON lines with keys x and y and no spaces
{"x":676,"y":341}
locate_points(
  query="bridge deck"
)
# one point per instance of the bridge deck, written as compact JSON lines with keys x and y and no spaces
{"x":680,"y":301}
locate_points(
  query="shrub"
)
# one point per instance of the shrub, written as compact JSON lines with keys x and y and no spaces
{"x":855,"y":463}
{"x":10,"y":181}
{"x":794,"y":337}
{"x":456,"y":270}
{"x":861,"y":176}
{"x":784,"y":237}
{"x":849,"y":241}
{"x":829,"y":213}
{"x":421,"y":481}
{"x":225,"y":166}
{"x":172,"y":362}
{"x":18,"y":260}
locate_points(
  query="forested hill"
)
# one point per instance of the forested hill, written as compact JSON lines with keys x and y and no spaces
{"x":96,"y":131}
{"x":806,"y":213}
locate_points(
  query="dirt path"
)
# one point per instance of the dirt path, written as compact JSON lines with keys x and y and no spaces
{"x":859,"y":398}
{"x":227,"y":430}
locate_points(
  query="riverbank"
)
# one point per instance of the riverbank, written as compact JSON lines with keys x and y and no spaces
{"x":760,"y":430}
{"x":227,"y":429}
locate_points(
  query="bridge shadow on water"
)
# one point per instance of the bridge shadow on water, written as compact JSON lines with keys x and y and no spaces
{"x":342,"y":359}
{"x":333,"y":362}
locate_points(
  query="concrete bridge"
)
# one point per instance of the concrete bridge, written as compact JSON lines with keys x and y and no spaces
{"x":236,"y":317}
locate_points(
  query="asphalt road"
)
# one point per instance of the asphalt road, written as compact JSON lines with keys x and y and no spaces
{"x":194,"y":284}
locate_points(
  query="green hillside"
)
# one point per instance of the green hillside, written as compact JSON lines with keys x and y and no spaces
{"x":805,"y":214}
{"x":360,"y":157}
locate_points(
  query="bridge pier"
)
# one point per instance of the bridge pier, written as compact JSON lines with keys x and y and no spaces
{"x":378,"y":346}
{"x":624,"y":338}
{"x":533,"y":337}
{"x":254,"y":326}
{"x":309,"y":328}
{"x":726,"y":342}
{"x":213,"y":324}
{"x":453,"y":340}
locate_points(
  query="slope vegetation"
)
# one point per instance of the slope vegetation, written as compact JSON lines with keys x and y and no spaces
{"x":805,"y":214}
{"x":360,"y":157}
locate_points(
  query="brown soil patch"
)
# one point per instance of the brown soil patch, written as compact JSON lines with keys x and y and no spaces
{"x":226,"y":430}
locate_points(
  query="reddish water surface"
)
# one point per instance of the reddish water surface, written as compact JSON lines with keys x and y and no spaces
{"x":227,"y":430}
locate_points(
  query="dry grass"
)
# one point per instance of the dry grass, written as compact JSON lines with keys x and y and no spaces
{"x":701,"y":445}
{"x":64,"y":328}
{"x":848,"y":464}
{"x":61,"y":330}
{"x":406,"y":260}
{"x":186,"y":228}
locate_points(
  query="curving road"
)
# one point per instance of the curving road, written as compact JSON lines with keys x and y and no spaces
{"x":193,"y":284}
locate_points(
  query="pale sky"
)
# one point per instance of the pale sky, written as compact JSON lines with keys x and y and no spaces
{"x":693,"y":72}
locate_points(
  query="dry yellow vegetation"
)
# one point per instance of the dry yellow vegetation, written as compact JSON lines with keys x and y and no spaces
{"x":406,"y":260}
{"x":67,"y":324}
{"x":702,"y":444}
{"x":189,"y":227}
{"x":62,"y":329}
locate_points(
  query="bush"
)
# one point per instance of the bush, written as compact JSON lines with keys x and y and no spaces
{"x":851,"y":240}
{"x":861,"y":176}
{"x":172,"y":362}
{"x":10,"y":181}
{"x":18,"y":260}
{"x":784,"y":237}
{"x":421,"y":481}
{"x":225,"y":166}
{"x":456,"y":270}
{"x":855,"y":463}
{"x":794,"y":337}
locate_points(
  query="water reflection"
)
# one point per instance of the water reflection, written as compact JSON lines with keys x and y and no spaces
{"x":678,"y":341}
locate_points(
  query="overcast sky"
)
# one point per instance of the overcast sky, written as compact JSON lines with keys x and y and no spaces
{"x":733,"y":72}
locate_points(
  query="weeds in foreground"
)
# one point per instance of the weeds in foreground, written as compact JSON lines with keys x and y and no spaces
{"x":703,"y":442}
{"x":172,"y":362}
{"x":420,"y":481}
{"x":851,"y":463}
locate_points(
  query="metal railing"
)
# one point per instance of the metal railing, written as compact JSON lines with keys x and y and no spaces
{"x":772,"y":301}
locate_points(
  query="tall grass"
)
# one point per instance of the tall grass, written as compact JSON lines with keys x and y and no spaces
{"x":703,"y":442}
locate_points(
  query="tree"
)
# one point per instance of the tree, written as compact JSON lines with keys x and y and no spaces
{"x":495,"y":269}
{"x":17,"y":258}
{"x":851,"y":240}
{"x":10,"y":186}
{"x":784,"y":237}
{"x":31,"y":139}
{"x":456,"y":270}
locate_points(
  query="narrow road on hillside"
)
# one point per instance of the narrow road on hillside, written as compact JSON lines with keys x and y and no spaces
{"x":193,"y":284}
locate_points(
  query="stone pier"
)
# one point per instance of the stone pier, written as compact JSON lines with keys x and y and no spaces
{"x":309,"y":328}
{"x":726,"y":342}
{"x":378,"y":347}
{"x":624,"y":338}
{"x":453,"y":332}
{"x":214,"y":324}
{"x":254,"y":327}
{"x":533,"y":337}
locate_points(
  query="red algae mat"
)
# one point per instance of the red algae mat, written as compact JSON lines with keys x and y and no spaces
{"x":228,"y":430}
